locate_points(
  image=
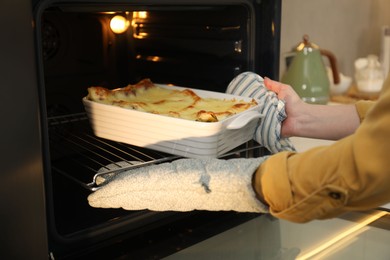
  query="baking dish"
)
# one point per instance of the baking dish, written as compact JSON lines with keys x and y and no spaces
{"x":176,"y":136}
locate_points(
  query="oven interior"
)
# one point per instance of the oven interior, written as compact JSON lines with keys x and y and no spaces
{"x":199,"y":46}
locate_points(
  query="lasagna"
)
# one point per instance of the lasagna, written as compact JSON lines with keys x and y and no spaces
{"x":180,"y":103}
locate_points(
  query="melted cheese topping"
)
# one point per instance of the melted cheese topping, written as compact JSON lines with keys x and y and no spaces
{"x":147,"y":97}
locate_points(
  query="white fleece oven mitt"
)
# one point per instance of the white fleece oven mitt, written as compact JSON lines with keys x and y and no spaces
{"x":184,"y":185}
{"x":249,"y":84}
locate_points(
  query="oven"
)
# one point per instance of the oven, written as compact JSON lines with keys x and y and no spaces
{"x":51,"y":52}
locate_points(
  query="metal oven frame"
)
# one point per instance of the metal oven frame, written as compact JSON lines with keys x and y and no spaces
{"x":23,"y":195}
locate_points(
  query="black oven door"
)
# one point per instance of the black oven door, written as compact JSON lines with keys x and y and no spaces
{"x":23,"y":217}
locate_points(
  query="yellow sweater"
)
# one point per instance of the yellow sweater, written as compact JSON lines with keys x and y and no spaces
{"x":323,"y":182}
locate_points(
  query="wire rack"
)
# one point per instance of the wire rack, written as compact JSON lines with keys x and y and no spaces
{"x":90,"y":161}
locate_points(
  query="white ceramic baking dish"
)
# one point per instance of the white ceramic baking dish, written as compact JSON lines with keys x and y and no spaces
{"x":176,"y":136}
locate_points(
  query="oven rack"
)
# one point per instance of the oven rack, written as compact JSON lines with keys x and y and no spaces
{"x":80,"y":156}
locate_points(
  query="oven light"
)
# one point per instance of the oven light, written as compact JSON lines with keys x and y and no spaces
{"x":153,"y":58}
{"x":119,"y":24}
{"x":140,"y":15}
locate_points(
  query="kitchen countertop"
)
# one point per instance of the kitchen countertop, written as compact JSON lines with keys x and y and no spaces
{"x":303,"y":144}
{"x":357,"y":235}
{"x":352,"y":95}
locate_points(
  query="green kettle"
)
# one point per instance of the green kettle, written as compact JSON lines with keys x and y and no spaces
{"x":307,"y":73}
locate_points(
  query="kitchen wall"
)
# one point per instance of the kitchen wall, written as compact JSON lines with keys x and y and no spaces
{"x":349,"y":28}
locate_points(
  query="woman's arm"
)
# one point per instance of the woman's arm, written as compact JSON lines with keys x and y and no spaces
{"x":314,"y":121}
{"x":323,"y":182}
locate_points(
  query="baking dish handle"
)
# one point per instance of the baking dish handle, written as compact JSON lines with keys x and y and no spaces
{"x":244,"y":119}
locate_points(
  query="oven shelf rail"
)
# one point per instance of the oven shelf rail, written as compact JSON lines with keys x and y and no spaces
{"x":90,"y":161}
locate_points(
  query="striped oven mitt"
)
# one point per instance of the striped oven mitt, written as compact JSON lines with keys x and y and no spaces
{"x":249,"y":84}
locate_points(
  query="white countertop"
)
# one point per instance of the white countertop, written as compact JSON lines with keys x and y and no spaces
{"x":303,"y":144}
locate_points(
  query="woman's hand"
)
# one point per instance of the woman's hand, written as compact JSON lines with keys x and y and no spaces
{"x":294,"y":106}
{"x":314,"y":121}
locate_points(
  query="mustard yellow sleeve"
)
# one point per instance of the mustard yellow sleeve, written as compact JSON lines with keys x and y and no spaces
{"x":351,"y":174}
{"x":362,"y":108}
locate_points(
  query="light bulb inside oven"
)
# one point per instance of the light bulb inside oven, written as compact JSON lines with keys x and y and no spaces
{"x":119,"y":24}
